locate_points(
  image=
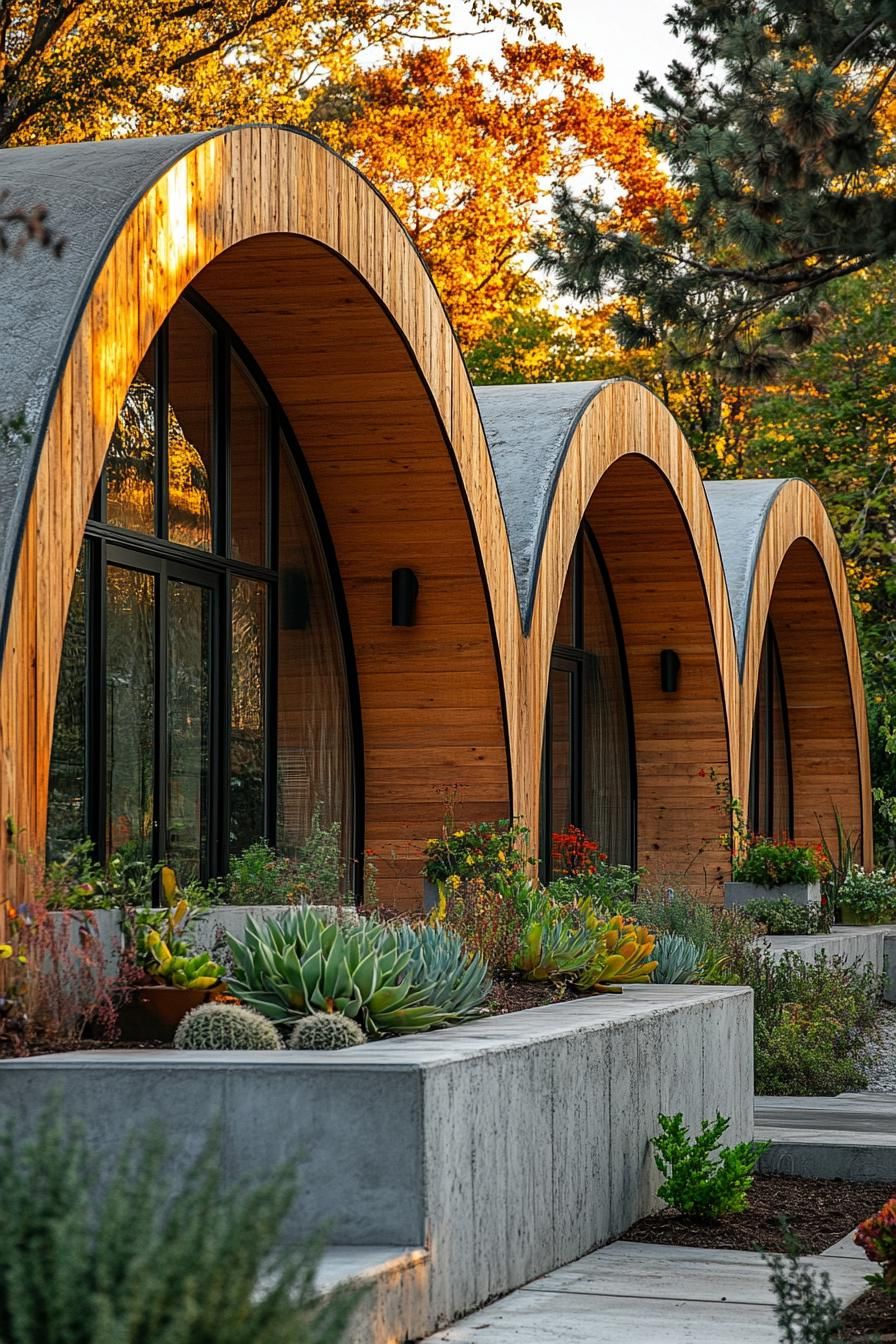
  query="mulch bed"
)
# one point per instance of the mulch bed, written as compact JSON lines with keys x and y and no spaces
{"x":871,"y":1319}
{"x":510,"y":995}
{"x":818,"y":1213}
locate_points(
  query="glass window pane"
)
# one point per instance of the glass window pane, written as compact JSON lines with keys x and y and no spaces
{"x":247,"y":713}
{"x":189,"y":640}
{"x":562,"y":691}
{"x":131,"y":460}
{"x":314,"y":754}
{"x":606,"y":750}
{"x":130,"y":710}
{"x":190,"y":428}
{"x":67,"y":810}
{"x":248,"y":468}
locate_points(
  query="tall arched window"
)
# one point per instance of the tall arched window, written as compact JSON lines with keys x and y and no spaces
{"x":204,"y":696}
{"x":770,"y":810}
{"x":587,"y":760}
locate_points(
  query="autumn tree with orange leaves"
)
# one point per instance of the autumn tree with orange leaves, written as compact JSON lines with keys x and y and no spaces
{"x":466,"y":151}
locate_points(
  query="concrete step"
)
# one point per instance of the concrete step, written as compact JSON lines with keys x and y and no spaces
{"x":665,"y":1294}
{"x":395,"y":1279}
{"x":851,"y":1137}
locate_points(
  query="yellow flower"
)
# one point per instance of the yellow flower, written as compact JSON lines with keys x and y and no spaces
{"x":501,"y":858}
{"x":454,"y":880}
{"x":458,"y":834}
{"x":5,"y":951}
{"x":469,"y":859}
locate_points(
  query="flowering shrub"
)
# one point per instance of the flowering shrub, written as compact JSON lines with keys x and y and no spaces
{"x":872,"y":895}
{"x":585,"y":873}
{"x":785,"y":916}
{"x":776,"y":863}
{"x":877,"y":1238}
{"x":488,"y":849}
{"x":488,"y":919}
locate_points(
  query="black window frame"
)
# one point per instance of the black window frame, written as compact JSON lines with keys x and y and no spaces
{"x":217,"y":569}
{"x":573,"y":659}
{"x":771,"y":682}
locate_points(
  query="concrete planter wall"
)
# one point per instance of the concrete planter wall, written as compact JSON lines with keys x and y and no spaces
{"x":802,"y":893}
{"x":504,"y":1149}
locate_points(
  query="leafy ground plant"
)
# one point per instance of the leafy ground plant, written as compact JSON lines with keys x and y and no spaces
{"x":201,"y":1266}
{"x":783,"y":916}
{"x":697,"y":1183}
{"x":806,"y":1309}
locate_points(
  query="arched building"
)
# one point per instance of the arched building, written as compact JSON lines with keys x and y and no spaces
{"x":264,"y":552}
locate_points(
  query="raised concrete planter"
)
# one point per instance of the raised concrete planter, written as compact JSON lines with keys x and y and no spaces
{"x":867,"y":945}
{"x":801,"y":893}
{"x":890,"y":965}
{"x":504,"y":1148}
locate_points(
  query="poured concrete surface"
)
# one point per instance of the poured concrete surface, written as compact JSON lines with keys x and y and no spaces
{"x":851,"y":1137}
{"x":664,"y":1294}
{"x":506,"y":1148}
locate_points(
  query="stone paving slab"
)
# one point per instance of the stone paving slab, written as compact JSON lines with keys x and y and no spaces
{"x":664,"y":1294}
{"x":851,"y":1137}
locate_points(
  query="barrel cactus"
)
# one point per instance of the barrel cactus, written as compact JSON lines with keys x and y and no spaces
{"x":226,"y":1026}
{"x":325,"y":1031}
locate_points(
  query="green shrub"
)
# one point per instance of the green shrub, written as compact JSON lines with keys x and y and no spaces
{"x":814,"y":1022}
{"x":226,"y":1026}
{"x":723,"y":934}
{"x":390,"y":978}
{"x":698,"y":1184}
{"x":871,"y":895}
{"x":489,"y":849}
{"x":261,"y":876}
{"x":139,"y":1257}
{"x":806,"y":1309}
{"x":783,"y":915}
{"x":778,"y":863}
{"x":325,"y":1031}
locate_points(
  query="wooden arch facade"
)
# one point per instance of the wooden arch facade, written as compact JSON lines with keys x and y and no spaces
{"x":306,"y":263}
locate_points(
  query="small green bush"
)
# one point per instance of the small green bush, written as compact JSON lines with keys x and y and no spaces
{"x":723,"y":934}
{"x":777,"y":863}
{"x":142,"y":1257}
{"x":805,"y":1307}
{"x":784,"y":916}
{"x":814,"y":1022}
{"x":698,"y":1184}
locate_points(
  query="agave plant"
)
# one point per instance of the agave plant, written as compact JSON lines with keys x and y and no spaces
{"x":457,"y":981}
{"x":624,"y":958}
{"x":375,"y":974}
{"x":679,"y":960}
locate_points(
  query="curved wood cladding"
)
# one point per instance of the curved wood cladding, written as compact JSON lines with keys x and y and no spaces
{"x":317,"y":277}
{"x":630,"y":472}
{"x":372,"y":407}
{"x":800,"y":583}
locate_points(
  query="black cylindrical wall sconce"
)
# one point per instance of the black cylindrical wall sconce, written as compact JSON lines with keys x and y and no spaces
{"x":670,"y":664}
{"x":404,"y":597}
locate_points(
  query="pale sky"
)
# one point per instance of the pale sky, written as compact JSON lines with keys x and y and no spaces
{"x":626,"y":36}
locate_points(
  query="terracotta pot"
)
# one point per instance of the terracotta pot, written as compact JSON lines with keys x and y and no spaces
{"x":168,"y":1004}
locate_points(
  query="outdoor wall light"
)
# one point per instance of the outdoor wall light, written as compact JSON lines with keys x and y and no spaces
{"x":670,"y":664}
{"x":405,"y":588}
{"x":295,"y":600}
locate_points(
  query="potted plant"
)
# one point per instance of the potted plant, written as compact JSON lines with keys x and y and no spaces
{"x":867,"y":898}
{"x":764,"y":867}
{"x":178,"y":977}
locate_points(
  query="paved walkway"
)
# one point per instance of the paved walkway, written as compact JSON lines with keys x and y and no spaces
{"x":660,"y":1294}
{"x":851,"y":1137}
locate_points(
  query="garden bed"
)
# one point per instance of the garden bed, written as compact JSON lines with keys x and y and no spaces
{"x":818,"y":1213}
{"x":871,"y":1319}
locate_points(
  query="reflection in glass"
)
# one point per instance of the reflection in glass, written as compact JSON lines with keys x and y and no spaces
{"x":606,"y":751}
{"x":190,"y":428}
{"x":189,"y":625}
{"x":67,"y":811}
{"x":314,"y":758}
{"x":770,"y":768}
{"x":247,"y":713}
{"x":562,"y":692}
{"x":129,"y":474}
{"x":130,"y":714}
{"x":248,"y":467}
